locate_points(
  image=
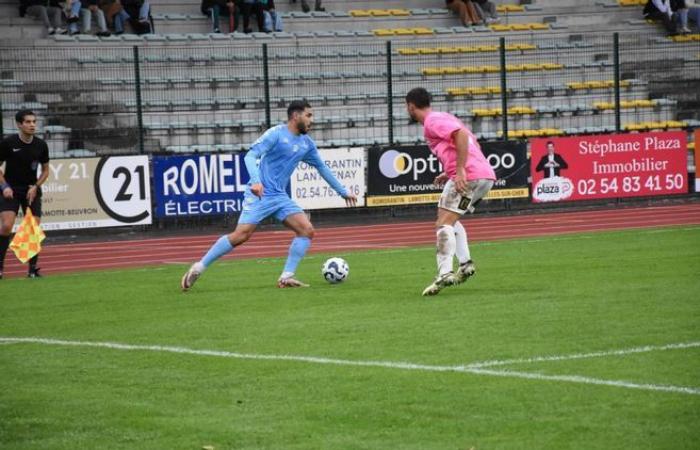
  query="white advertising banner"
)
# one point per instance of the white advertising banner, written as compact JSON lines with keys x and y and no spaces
{"x":311,"y":191}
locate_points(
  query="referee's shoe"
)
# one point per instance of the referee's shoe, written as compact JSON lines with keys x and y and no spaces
{"x":34,"y":273}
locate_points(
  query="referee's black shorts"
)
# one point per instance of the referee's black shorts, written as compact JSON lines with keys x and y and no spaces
{"x":20,"y":199}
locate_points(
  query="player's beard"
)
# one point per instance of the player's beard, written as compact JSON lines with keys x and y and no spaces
{"x":303,"y":129}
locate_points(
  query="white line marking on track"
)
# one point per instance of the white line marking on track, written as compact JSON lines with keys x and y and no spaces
{"x":476,"y":368}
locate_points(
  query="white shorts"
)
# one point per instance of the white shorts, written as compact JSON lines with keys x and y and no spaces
{"x":463,"y":202}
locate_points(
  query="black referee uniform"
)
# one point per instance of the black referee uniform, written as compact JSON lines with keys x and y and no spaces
{"x":22,"y":161}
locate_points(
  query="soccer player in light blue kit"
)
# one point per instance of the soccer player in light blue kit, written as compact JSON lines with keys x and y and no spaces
{"x":270,"y":163}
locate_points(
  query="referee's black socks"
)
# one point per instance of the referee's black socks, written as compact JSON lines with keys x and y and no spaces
{"x":4,"y":243}
{"x":32,"y":263}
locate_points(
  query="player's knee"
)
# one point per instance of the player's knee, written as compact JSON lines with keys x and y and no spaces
{"x":5,"y":228}
{"x":307,"y":232}
{"x":238,"y":237}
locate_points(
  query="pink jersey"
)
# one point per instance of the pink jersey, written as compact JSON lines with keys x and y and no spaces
{"x":438,"y":129}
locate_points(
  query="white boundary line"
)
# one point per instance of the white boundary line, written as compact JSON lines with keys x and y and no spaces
{"x":627,"y":351}
{"x":475,"y":368}
{"x":587,"y":380}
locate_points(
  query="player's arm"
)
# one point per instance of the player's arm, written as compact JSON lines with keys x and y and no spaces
{"x":314,"y":159}
{"x":461,"y":141}
{"x":257,"y":151}
{"x":5,"y":188}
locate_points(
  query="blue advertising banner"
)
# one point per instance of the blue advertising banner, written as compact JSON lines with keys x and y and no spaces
{"x":196,"y":185}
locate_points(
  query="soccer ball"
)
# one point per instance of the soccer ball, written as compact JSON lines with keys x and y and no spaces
{"x":335,"y":270}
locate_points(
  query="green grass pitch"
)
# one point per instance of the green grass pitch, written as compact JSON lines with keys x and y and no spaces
{"x":551,"y":296}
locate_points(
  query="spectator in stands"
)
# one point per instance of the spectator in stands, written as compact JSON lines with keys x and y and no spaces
{"x":137,"y":13}
{"x":465,"y":11}
{"x":110,"y":8}
{"x":215,"y":8}
{"x":680,"y":12}
{"x":305,"y":5}
{"x":660,"y":10}
{"x":694,"y":16}
{"x":88,"y":9}
{"x":486,"y":10}
{"x":250,"y":7}
{"x":73,"y":15}
{"x":273,"y":21}
{"x":49,"y":11}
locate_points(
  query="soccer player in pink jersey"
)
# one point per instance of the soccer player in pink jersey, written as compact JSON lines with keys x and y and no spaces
{"x":467,"y":177}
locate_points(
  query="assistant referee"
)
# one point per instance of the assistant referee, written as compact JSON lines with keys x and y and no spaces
{"x":23,"y":153}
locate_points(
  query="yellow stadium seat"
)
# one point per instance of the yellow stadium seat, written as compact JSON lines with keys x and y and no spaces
{"x":399,"y":12}
{"x":360,"y":13}
{"x":383,"y":32}
{"x":432,"y":71}
{"x":467,"y":49}
{"x":552,"y":66}
{"x":408,"y":51}
{"x":497,"y":27}
{"x":488,"y":48}
{"x":447,"y":50}
{"x":379,"y":12}
{"x":422,"y":30}
{"x":539,"y":26}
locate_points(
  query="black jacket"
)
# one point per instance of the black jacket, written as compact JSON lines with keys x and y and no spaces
{"x":545,"y":159}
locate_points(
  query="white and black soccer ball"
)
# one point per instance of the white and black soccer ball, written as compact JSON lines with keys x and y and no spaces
{"x":335,"y":270}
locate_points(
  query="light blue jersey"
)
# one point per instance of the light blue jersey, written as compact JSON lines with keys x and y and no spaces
{"x":271,"y":161}
{"x":279,"y":152}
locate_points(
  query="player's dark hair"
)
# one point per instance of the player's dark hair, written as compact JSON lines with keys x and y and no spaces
{"x":550,"y":142}
{"x":297,"y":106}
{"x":22,"y":113}
{"x":419,"y":97}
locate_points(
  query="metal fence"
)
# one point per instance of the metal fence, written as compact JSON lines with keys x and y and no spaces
{"x":151,"y":99}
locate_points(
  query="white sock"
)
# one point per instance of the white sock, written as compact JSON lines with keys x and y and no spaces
{"x":445,"y":248}
{"x":462,"y":249}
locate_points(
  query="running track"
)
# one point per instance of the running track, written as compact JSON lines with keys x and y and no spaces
{"x":61,"y":258}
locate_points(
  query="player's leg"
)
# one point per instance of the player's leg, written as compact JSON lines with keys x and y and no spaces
{"x":476,"y":191}
{"x":304,"y":233}
{"x":7,"y":220}
{"x":255,"y":210}
{"x":446,"y":247}
{"x":221,"y":247}
{"x":451,"y":206}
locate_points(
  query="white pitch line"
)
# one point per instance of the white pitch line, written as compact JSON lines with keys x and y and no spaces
{"x":475,"y":369}
{"x":586,"y":380}
{"x":627,"y":351}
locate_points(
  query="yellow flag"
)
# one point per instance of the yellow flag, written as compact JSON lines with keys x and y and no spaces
{"x":27,"y":240}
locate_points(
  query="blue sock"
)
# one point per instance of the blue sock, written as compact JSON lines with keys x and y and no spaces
{"x":219,"y":249}
{"x":297,"y":250}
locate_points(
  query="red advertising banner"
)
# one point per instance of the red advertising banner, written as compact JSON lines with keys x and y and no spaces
{"x":609,"y":166}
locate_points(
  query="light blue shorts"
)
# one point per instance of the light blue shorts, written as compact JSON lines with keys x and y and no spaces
{"x":256,"y":209}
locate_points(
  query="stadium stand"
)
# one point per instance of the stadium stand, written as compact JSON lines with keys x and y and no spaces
{"x":194,"y":90}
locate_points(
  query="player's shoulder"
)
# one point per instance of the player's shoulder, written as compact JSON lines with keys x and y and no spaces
{"x":309,"y":142}
{"x":10,"y":139}
{"x":39,"y":142}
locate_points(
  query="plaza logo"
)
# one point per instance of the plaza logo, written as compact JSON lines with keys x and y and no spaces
{"x":553,"y":189}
